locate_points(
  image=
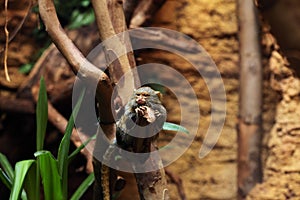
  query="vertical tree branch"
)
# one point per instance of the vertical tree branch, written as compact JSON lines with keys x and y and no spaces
{"x":119,"y":23}
{"x":117,"y":60}
{"x":152,"y":185}
{"x":249,"y":127}
{"x":117,"y":46}
{"x":114,"y":49}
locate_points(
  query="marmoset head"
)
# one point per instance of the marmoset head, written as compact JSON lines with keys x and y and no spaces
{"x":146,"y":96}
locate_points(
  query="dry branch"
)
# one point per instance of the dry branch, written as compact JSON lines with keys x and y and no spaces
{"x":113,"y":49}
{"x":250,"y":119}
{"x":178,"y":182}
{"x":14,"y":105}
{"x":79,"y":64}
{"x":13,"y":34}
{"x":129,"y":7}
{"x":6,"y":42}
{"x":84,"y":69}
{"x":144,"y":12}
{"x":111,"y":22}
{"x":109,"y":26}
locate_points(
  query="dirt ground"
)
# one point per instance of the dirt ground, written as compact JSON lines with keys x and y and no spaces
{"x":214,"y":25}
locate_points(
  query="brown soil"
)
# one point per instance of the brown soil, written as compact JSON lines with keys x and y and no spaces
{"x":213,"y":24}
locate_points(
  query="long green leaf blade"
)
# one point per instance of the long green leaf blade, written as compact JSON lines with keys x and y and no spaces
{"x":168,"y":126}
{"x":6,"y":166}
{"x":41,"y":125}
{"x":30,"y":183}
{"x":64,"y":147}
{"x":41,"y":115}
{"x":78,"y":149}
{"x":50,"y":176}
{"x":5,"y":179}
{"x":83,"y":187}
{"x":21,"y":170}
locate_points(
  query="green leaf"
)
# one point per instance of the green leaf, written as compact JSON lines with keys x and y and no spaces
{"x":41,"y":125}
{"x":174,"y":127}
{"x":81,"y":19}
{"x":64,"y":146}
{"x":78,"y":149}
{"x":26,"y":68}
{"x":85,"y":3}
{"x":50,"y":176}
{"x":21,"y":170}
{"x":6,"y":166}
{"x":83,"y":187}
{"x":5,"y":179}
{"x":30,"y":183}
{"x":41,"y":115}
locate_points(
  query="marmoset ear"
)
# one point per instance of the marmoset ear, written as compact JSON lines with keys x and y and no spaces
{"x":159,"y":95}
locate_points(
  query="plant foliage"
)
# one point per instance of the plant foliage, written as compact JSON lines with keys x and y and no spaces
{"x":24,"y":181}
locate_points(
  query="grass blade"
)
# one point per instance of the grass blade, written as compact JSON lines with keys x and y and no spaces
{"x":30,"y":183}
{"x":174,"y":127}
{"x":83,"y":187}
{"x":78,"y":149}
{"x":5,"y":179}
{"x":6,"y":166}
{"x":41,"y":115}
{"x":41,"y":125}
{"x":21,"y":170}
{"x":64,"y":147}
{"x":50,"y":175}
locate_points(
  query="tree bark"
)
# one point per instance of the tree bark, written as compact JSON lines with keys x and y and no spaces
{"x":250,"y":120}
{"x":108,"y":27}
{"x":114,"y":20}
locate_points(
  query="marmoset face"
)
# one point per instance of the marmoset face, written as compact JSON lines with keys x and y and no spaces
{"x":141,"y":98}
{"x":145,"y":96}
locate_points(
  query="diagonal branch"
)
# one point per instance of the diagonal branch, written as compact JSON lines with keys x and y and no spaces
{"x":129,"y":7}
{"x":120,"y":60}
{"x":144,"y":11}
{"x":79,"y":64}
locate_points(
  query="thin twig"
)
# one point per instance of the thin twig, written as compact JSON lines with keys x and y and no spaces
{"x":178,"y":182}
{"x":20,"y":25}
{"x":6,"y":43}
